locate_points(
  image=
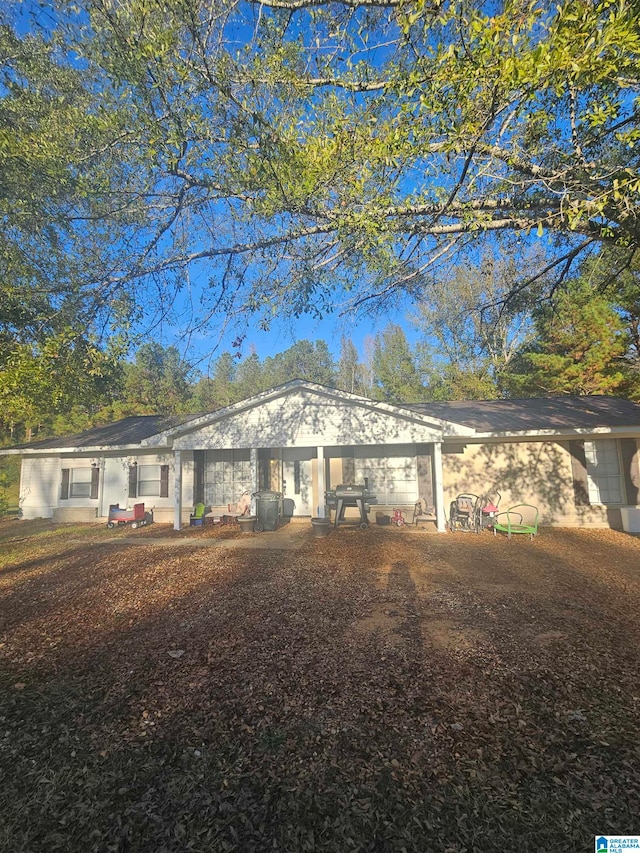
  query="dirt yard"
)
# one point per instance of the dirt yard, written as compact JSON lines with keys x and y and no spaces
{"x":384,"y":690}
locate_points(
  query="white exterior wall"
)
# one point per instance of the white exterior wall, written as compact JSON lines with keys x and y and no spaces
{"x":114,"y":488}
{"x":84,"y":462}
{"x":162,"y":508}
{"x":307,"y":423}
{"x":39,"y":486}
{"x":41,"y":480}
{"x":305,"y":419}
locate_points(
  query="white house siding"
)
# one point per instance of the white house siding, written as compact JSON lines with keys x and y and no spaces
{"x":162,"y":507}
{"x":115,"y":483}
{"x":304,"y":423}
{"x":534,"y":472}
{"x":78,"y":508}
{"x":398,"y":474}
{"x":306,"y":419}
{"x":303,"y":490}
{"x":39,"y":486}
{"x":41,"y":480}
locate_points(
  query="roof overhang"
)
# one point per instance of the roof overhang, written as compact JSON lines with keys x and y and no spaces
{"x":563,"y":434}
{"x":125,"y":449}
{"x":260,"y":421}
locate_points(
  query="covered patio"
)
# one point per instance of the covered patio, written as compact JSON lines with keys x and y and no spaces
{"x":305,"y":442}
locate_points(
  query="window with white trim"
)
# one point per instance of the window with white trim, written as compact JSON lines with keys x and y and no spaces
{"x":148,"y":481}
{"x":604,"y":474}
{"x":80,"y":482}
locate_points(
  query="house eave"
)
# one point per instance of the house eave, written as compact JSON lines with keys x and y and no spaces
{"x":558,"y":435}
{"x":129,"y":449}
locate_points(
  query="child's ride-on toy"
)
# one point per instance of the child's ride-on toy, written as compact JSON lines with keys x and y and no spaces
{"x":136,"y":517}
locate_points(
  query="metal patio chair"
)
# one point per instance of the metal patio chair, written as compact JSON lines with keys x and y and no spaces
{"x":422,"y":512}
{"x":464,"y":513}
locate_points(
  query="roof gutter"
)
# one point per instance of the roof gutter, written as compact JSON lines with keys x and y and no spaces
{"x":565,"y":433}
{"x":129,"y":449}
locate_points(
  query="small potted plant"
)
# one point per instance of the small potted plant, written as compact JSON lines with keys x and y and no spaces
{"x":246,"y":523}
{"x":321,"y":526}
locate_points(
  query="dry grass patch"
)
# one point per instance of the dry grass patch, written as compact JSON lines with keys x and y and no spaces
{"x":367,"y":692}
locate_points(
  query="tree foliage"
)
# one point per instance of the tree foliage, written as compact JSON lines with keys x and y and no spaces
{"x":579,"y":349}
{"x":219,"y":389}
{"x":300,"y":155}
{"x":617,"y":278}
{"x":38,"y":382}
{"x":263,"y":159}
{"x":397,"y":378}
{"x":351,"y":373}
{"x":472,"y":327}
{"x":157,"y":381}
{"x":59,"y":223}
{"x":64,"y":202}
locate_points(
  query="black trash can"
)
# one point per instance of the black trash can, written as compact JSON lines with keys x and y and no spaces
{"x":268,"y":510}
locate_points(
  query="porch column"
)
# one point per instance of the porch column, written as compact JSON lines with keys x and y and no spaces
{"x":101,"y":468}
{"x":321,"y":482}
{"x":177,"y":490}
{"x":438,"y":488}
{"x":255,"y":485}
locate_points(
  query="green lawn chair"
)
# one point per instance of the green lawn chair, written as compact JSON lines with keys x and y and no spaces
{"x":196,"y":519}
{"x":521,"y":518}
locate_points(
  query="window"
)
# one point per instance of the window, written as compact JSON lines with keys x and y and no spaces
{"x":227,"y":476}
{"x":80,"y":483}
{"x":604,"y":478}
{"x":148,"y":481}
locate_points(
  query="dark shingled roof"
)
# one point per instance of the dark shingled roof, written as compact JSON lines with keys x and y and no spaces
{"x":492,"y":416}
{"x":130,"y":430}
{"x":538,"y":413}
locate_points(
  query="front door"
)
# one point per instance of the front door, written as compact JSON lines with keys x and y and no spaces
{"x":297,"y":481}
{"x":115,"y":483}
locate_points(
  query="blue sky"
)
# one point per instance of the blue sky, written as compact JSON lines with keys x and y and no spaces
{"x":284,"y":334}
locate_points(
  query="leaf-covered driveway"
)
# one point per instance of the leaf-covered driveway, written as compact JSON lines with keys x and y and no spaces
{"x":379,"y":690}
